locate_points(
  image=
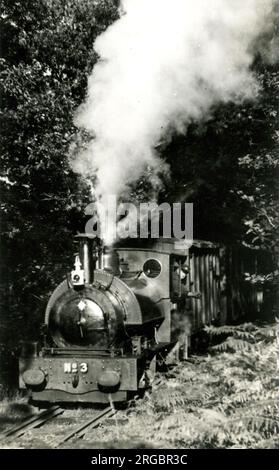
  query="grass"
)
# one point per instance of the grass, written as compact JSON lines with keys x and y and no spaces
{"x":13,"y":409}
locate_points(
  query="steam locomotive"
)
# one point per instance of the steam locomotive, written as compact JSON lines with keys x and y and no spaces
{"x":121,"y":310}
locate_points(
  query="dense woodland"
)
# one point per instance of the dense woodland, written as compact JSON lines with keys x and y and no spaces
{"x":227,"y":166}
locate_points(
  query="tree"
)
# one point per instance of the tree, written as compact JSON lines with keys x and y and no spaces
{"x":46,"y":56}
{"x":229,"y":168}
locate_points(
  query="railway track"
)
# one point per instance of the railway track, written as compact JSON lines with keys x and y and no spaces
{"x":37,"y":421}
{"x":33,"y":421}
{"x":80,"y":430}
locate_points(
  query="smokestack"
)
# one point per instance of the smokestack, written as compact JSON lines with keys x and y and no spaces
{"x":110,"y":261}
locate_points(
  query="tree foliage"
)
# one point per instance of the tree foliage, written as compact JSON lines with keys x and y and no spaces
{"x":47,"y":53}
{"x":228,"y":166}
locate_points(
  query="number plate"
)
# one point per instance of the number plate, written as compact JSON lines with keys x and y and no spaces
{"x":74,"y":367}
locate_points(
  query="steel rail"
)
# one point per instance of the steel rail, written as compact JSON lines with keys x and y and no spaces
{"x":33,"y":421}
{"x":92,"y":423}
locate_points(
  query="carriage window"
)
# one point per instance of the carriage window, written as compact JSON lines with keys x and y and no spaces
{"x":152,"y":268}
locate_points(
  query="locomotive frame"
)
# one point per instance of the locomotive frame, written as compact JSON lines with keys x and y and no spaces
{"x":152,"y":299}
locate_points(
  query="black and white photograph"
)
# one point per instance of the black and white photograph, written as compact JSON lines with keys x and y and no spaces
{"x":139,"y":265}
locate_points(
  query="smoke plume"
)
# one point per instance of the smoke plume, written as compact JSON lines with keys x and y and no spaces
{"x":162,"y":65}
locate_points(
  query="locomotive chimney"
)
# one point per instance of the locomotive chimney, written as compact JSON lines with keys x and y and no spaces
{"x":110,"y":260}
{"x":89,"y":255}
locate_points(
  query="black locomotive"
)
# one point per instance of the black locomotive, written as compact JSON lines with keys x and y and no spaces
{"x":120,"y":310}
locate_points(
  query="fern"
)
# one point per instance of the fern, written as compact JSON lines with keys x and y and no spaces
{"x":268,"y":332}
{"x":168,"y":400}
{"x":261,"y":424}
{"x":230,"y":330}
{"x":220,"y":330}
{"x":233,"y":345}
{"x":227,"y":399}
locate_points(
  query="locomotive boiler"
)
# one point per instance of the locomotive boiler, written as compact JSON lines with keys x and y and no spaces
{"x":120,"y":310}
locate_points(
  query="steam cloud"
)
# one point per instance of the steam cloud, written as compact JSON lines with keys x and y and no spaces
{"x":163,"y":64}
